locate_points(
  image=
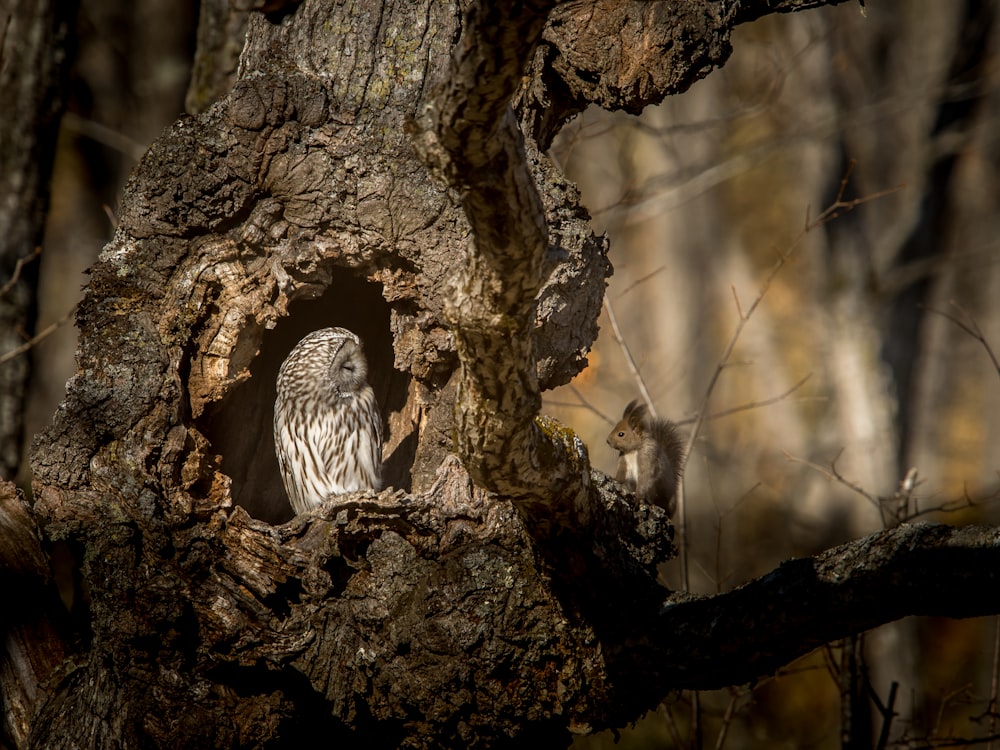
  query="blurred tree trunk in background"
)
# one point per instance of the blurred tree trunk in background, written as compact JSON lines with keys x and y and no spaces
{"x":130,"y":66}
{"x":33,"y":66}
{"x":222,"y":27}
{"x":32,"y":69}
{"x":730,"y":169}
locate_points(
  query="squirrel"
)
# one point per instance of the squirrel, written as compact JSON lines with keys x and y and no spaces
{"x":650,"y":456}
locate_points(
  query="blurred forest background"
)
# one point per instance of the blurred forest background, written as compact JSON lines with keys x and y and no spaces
{"x":860,"y":361}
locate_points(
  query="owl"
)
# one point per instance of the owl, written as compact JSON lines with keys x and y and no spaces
{"x":327,"y":428}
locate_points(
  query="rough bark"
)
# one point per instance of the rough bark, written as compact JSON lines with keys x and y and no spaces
{"x":367,"y":171}
{"x":222,"y":27}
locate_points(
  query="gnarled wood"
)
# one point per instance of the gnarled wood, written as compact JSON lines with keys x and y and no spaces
{"x":365,"y":172}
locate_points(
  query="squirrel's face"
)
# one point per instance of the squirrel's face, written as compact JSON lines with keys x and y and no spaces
{"x":624,"y":438}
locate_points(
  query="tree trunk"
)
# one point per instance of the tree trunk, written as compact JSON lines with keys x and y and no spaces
{"x":31,"y":73}
{"x":367,"y":170}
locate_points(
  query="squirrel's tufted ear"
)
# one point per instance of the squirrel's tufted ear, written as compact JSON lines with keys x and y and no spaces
{"x":635,"y":413}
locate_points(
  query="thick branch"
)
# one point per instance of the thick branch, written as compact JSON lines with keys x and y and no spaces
{"x":480,"y":149}
{"x":750,"y":632}
{"x":475,"y":144}
{"x":630,"y":54}
{"x":751,"y":10}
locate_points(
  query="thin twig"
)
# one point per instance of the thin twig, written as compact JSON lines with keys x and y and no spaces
{"x":720,"y":577}
{"x":109,"y":212}
{"x":839,"y":207}
{"x":852,"y":726}
{"x":584,"y":403}
{"x":901,"y":504}
{"x":696,"y":743}
{"x":750,"y":405}
{"x":993,"y":682}
{"x":952,"y":506}
{"x":834,"y":210}
{"x":888,"y":712}
{"x":672,"y":727}
{"x":720,"y":522}
{"x":43,"y":334}
{"x":736,"y":300}
{"x":640,"y":281}
{"x":833,"y":473}
{"x":972,"y":328}
{"x":832,"y":666}
{"x":104,"y":135}
{"x":702,"y":408}
{"x":727,"y":719}
{"x":20,"y":264}
{"x":904,"y":493}
{"x":629,"y":360}
{"x":946,"y":701}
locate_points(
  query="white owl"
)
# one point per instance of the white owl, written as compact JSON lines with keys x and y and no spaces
{"x":327,"y":428}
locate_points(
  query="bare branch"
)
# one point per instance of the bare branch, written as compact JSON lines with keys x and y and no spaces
{"x":722,"y":363}
{"x":835,"y":209}
{"x":833,"y":473}
{"x":584,"y":403}
{"x":971,"y":327}
{"x":906,"y":508}
{"x":40,"y":336}
{"x":751,"y":405}
{"x":629,"y":359}
{"x":473,"y":141}
{"x":640,"y":281}
{"x":921,"y":569}
{"x":18,"y":266}
{"x":994,"y":677}
{"x":839,"y":207}
{"x":888,"y":712}
{"x":104,"y":135}
{"x":727,"y":720}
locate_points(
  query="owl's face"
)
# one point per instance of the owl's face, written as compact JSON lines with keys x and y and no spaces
{"x":326,"y":364}
{"x":349,"y":369}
